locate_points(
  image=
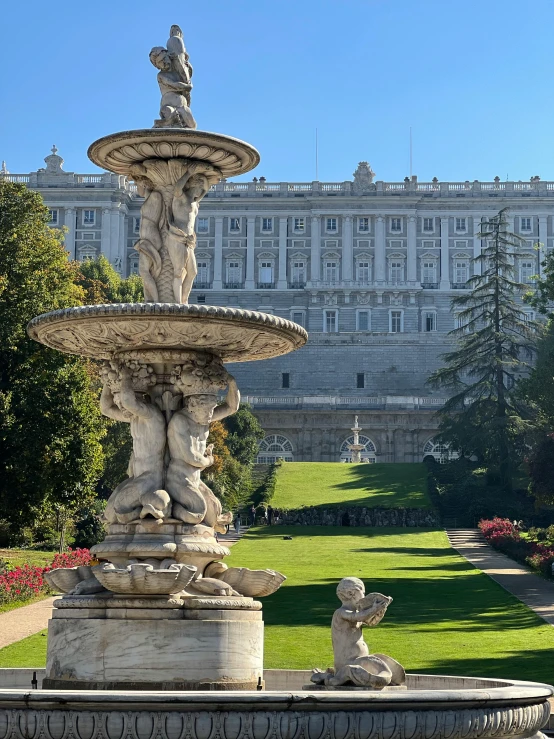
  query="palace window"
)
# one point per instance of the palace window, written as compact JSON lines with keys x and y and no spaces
{"x":461,"y":271}
{"x":201,"y":299}
{"x":396,"y":271}
{"x":203,"y":274}
{"x":363,"y":225}
{"x":396,"y":224}
{"x":266,"y":273}
{"x":363,"y":271}
{"x":360,"y":380}
{"x":461,"y":224}
{"x":299,"y":317}
{"x":203,"y":225}
{"x":133,"y":266}
{"x":527,"y":271}
{"x":136,"y":225}
{"x":89,"y":217}
{"x":298,"y":273}
{"x":429,"y":271}
{"x":331,"y":225}
{"x":525,"y":224}
{"x":285,"y":379}
{"x":396,"y":321}
{"x":331,"y":270}
{"x":363,"y":320}
{"x":439,"y":450}
{"x":299,"y":225}
{"x":330,"y":321}
{"x":234,"y":273}
{"x":53,"y":215}
{"x":267,"y":224}
{"x":428,"y":224}
{"x":234,"y":224}
{"x":429,"y":321}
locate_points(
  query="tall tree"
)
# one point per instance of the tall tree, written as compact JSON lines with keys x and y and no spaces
{"x":244,"y":435}
{"x":50,"y":425}
{"x":102,"y":284}
{"x":494,"y":345}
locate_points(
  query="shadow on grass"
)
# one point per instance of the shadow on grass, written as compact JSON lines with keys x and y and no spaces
{"x":458,"y":603}
{"x":515,"y":665}
{"x":261,"y":533}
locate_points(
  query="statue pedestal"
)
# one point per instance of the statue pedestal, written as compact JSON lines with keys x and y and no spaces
{"x":114,"y":642}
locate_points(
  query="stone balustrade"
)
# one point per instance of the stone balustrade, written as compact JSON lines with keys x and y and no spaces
{"x":335,"y":401}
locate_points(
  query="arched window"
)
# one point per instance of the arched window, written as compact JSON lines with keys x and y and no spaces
{"x":368,"y":453}
{"x":439,"y":450}
{"x":274,"y":447}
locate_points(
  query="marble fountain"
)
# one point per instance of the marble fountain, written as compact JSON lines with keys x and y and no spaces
{"x":160,"y":639}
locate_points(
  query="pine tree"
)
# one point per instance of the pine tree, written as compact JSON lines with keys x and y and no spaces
{"x":494,"y":345}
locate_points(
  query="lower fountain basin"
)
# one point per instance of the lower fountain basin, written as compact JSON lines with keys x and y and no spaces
{"x":461,"y":708}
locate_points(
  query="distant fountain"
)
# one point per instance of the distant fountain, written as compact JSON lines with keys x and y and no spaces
{"x":356,"y":448}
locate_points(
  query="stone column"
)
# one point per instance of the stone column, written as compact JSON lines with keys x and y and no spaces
{"x":412,"y":250}
{"x":543,"y":235}
{"x":114,"y":233}
{"x":105,"y":233}
{"x":122,"y":244}
{"x":380,"y":260}
{"x":347,"y":248}
{"x":69,"y":239}
{"x":218,"y":253}
{"x":445,"y":255}
{"x":250,"y":226}
{"x":315,"y":269}
{"x":282,"y":282}
{"x":477,"y":266}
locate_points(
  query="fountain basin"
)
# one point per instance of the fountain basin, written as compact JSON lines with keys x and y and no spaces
{"x":463,"y":707}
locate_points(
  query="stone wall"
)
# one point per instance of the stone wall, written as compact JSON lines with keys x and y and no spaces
{"x":357,"y":516}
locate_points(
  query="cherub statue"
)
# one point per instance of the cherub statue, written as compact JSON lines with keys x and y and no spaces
{"x":354,"y":665}
{"x":141,"y":494}
{"x":181,"y":238}
{"x":187,"y":434}
{"x":174,"y":79}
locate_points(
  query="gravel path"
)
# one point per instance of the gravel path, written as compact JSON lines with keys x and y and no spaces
{"x":24,"y":621}
{"x":534,"y":591}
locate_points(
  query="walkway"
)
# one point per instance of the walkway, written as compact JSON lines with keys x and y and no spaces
{"x":232,"y":537}
{"x":531,"y":589}
{"x":24,"y":621}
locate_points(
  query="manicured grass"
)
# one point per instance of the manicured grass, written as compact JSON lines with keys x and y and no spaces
{"x":15,"y":557}
{"x":29,"y":652}
{"x":332,"y":483}
{"x":446,"y":618}
{"x":12,"y":605}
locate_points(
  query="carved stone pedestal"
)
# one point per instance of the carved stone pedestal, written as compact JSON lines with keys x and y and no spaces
{"x":114,"y":642}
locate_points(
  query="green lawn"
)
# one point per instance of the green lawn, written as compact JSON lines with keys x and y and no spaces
{"x":332,"y":483}
{"x":447,"y":617}
{"x":29,"y":652}
{"x":15,"y":557}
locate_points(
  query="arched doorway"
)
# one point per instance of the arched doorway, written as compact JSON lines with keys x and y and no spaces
{"x":439,"y":450}
{"x":274,"y":447}
{"x":368,"y":453}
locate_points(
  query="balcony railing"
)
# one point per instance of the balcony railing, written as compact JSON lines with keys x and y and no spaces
{"x":265,"y":286}
{"x":459,"y":286}
{"x":430,"y":285}
{"x":233,"y":286}
{"x":202,"y":286}
{"x":337,"y":401}
{"x":297,"y":285}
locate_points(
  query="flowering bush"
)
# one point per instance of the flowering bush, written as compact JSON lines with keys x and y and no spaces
{"x":72,"y":558}
{"x":27,"y":581}
{"x":502,"y":534}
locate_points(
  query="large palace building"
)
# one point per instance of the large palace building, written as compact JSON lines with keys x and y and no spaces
{"x":368,"y":267}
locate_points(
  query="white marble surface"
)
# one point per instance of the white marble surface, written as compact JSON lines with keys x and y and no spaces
{"x":113,"y":650}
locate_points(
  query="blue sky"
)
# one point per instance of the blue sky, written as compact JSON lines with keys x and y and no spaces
{"x":473,"y":79}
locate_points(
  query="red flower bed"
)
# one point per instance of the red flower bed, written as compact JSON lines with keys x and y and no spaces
{"x":503,"y":535}
{"x":26,"y":581}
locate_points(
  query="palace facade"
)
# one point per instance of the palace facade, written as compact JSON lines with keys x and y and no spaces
{"x":368,"y":267}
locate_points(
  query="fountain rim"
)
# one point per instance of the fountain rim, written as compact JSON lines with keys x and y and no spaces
{"x":231,"y":155}
{"x":514,"y":693}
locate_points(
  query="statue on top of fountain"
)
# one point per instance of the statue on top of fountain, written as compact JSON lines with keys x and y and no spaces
{"x":175,"y":81}
{"x":354,"y":665}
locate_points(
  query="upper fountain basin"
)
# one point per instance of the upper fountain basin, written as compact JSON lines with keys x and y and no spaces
{"x":100,"y":331}
{"x":119,"y":151}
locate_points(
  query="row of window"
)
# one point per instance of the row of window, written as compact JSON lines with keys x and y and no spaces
{"x":396,"y":273}
{"x":277,"y":446}
{"x":88,"y":217}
